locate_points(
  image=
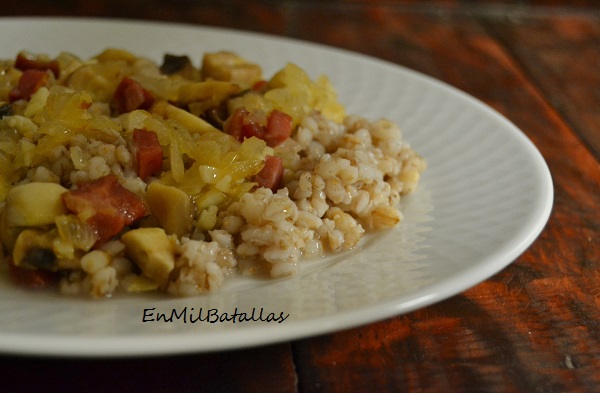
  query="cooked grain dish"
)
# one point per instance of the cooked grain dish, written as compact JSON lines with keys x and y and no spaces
{"x":121,"y":175}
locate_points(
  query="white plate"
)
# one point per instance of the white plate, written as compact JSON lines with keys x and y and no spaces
{"x":484,"y":199}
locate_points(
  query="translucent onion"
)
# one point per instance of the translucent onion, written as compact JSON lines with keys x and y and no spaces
{"x":25,"y":153}
{"x":72,"y":230}
{"x":177,"y":167}
{"x":79,"y":157}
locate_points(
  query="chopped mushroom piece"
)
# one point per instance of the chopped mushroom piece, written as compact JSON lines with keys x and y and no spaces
{"x":152,"y":251}
{"x":227,"y":66}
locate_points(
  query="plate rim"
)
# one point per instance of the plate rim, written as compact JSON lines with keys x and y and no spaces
{"x":111,"y":346}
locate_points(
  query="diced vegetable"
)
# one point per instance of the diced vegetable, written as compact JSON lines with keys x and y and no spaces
{"x":227,"y":66}
{"x":194,"y":124}
{"x":292,"y":91}
{"x":100,"y":80}
{"x":173,"y":64}
{"x":116,"y":55}
{"x":152,"y":251}
{"x":33,"y":250}
{"x":78,"y":233}
{"x":172,"y":208}
{"x":34,"y":204}
{"x":210,"y":91}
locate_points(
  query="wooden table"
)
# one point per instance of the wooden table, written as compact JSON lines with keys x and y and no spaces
{"x":535,"y":326}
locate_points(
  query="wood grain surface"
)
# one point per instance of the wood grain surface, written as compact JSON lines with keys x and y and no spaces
{"x":533,"y":327}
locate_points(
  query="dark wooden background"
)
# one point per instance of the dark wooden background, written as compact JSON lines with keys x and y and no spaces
{"x":535,"y":326}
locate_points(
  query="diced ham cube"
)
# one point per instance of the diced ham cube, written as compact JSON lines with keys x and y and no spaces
{"x":30,"y":82}
{"x":106,"y":205}
{"x":271,"y":174}
{"x":148,"y":152}
{"x":131,"y":95}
